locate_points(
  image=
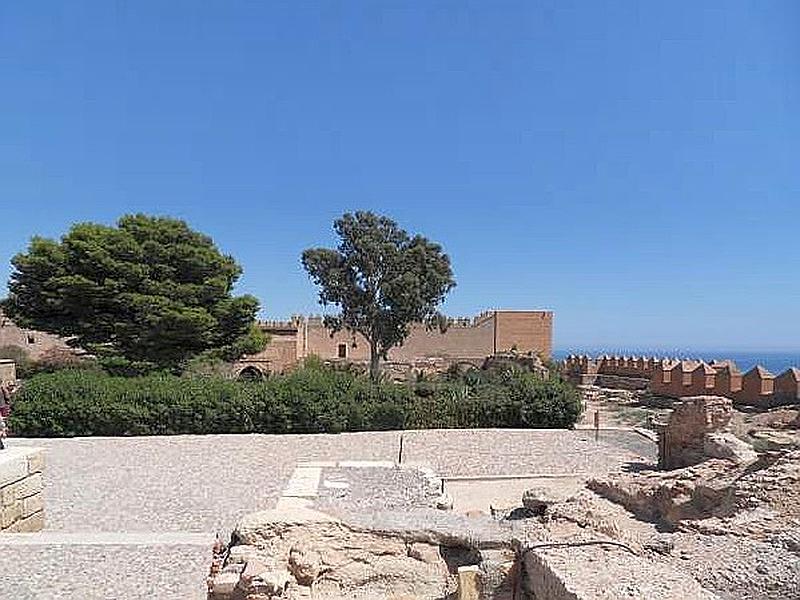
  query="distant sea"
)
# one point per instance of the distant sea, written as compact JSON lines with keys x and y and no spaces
{"x":775,"y":362}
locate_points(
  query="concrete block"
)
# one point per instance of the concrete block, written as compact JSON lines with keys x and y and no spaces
{"x":32,"y":504}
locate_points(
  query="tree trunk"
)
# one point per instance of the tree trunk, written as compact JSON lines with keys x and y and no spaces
{"x":374,"y":362}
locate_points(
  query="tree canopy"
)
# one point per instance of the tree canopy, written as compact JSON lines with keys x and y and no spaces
{"x":382,"y":280}
{"x":148,"y":293}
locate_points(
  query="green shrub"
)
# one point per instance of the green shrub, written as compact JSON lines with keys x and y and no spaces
{"x":314,"y":399}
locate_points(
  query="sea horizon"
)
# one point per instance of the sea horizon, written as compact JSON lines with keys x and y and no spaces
{"x":775,"y":361}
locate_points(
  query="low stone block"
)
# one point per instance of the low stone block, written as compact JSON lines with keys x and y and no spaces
{"x":13,"y":467}
{"x":223,"y":585}
{"x":32,"y":504}
{"x":469,"y":583}
{"x":29,"y":486}
{"x":36,"y":461}
{"x":10,"y":514}
{"x":35,"y":522}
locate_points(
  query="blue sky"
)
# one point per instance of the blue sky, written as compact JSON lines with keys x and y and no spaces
{"x":634,"y":166}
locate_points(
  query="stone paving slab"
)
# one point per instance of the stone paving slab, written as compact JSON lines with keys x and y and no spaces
{"x":103,"y":572}
{"x":167,"y":488}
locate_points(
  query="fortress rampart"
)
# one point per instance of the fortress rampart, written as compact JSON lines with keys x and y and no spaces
{"x":466,"y":340}
{"x":675,"y":378}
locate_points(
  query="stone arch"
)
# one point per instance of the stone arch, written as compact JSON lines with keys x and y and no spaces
{"x":251,"y":373}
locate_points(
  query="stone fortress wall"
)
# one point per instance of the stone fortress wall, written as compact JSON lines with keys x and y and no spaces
{"x":675,"y":378}
{"x":468,"y":340}
{"x":36,"y":343}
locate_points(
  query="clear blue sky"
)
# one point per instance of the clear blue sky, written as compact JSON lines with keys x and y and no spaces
{"x":634,"y":166}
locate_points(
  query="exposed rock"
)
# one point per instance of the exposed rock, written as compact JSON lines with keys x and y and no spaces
{"x":728,"y":446}
{"x":444,"y":502}
{"x":300,"y":550}
{"x":537,"y":500}
{"x":304,"y":564}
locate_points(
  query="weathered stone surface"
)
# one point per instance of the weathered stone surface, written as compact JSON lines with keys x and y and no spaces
{"x":537,"y":500}
{"x":21,"y":497}
{"x":35,"y":522}
{"x":9,"y":514}
{"x":224,"y":584}
{"x":682,"y":438}
{"x":469,"y":583}
{"x":305,"y":564}
{"x":13,"y":466}
{"x":242,"y":553}
{"x":36,"y":461}
{"x":728,"y":446}
{"x":444,"y":502}
{"x":403,"y":556}
{"x":32,"y":504}
{"x":23,"y":488}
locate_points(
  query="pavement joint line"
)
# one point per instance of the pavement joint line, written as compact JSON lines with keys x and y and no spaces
{"x":510,"y":477}
{"x":107,"y":538}
{"x":304,"y":482}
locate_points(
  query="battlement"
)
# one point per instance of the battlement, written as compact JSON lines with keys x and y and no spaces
{"x":466,"y":339}
{"x":678,"y":378}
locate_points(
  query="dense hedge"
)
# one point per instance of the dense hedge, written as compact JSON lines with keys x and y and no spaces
{"x":83,"y":403}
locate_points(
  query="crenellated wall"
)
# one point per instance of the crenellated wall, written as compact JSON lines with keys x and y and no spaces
{"x":674,"y":378}
{"x":465,"y":340}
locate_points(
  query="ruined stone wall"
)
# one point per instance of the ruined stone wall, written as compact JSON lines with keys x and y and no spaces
{"x":35,"y":343}
{"x":682,"y":440}
{"x":21,"y":490}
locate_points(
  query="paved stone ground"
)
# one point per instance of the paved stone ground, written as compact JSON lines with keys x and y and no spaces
{"x":101,"y":492}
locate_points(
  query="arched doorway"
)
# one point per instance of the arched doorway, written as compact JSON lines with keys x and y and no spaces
{"x":251,"y":374}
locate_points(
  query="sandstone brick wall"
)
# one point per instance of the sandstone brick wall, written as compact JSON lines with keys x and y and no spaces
{"x":465,"y":340}
{"x":473,"y":341}
{"x":682,"y":378}
{"x":758,"y":387}
{"x":525,"y":331}
{"x":21,"y":490}
{"x":787,"y":385}
{"x":320,"y":343}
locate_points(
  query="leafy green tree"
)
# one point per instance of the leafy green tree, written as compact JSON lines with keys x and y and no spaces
{"x":381,"y":279}
{"x":149,"y":293}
